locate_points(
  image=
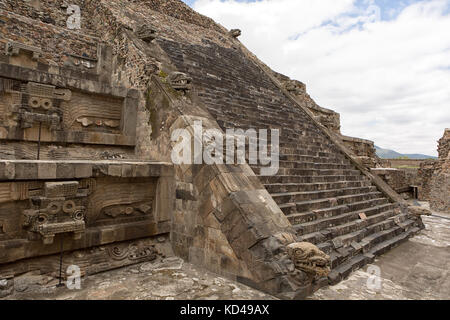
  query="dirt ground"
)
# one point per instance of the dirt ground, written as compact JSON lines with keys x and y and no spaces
{"x":417,"y":269}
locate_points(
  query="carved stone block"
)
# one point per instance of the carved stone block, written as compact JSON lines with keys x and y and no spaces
{"x":30,"y":110}
{"x":146,"y":33}
{"x":235,"y":33}
{"x":89,"y":203}
{"x":180,"y":81}
{"x":14,"y":48}
{"x":308,"y":258}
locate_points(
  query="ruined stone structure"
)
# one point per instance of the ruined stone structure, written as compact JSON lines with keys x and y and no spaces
{"x":425,"y":173}
{"x":98,"y":107}
{"x":397,"y":179}
{"x":440,"y":180}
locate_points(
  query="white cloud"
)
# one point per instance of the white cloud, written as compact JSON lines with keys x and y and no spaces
{"x":390,"y":80}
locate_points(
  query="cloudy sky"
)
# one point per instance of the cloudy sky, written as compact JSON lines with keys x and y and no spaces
{"x":383,"y":64}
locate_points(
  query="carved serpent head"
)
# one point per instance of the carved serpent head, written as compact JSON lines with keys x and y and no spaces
{"x":180,"y":81}
{"x":308,"y":258}
{"x":295,"y":87}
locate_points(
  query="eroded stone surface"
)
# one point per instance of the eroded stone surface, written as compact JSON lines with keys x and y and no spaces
{"x":418,"y":269}
{"x":163,"y":280}
{"x":122,"y":97}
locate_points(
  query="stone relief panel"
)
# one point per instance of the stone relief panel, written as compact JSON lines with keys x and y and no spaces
{"x":92,"y":113}
{"x":56,"y":207}
{"x":122,"y":200}
{"x":22,"y":55}
{"x":96,"y":259}
{"x":32,"y":111}
{"x":80,"y":204}
{"x":48,"y":208}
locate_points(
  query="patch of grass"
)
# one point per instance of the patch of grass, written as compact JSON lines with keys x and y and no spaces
{"x":162,"y":74}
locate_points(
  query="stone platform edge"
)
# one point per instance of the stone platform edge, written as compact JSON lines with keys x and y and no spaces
{"x":77,"y":169}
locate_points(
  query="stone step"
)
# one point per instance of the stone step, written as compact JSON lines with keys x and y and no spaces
{"x":393,"y":242}
{"x":346,"y":221}
{"x":302,"y":187}
{"x":354,"y":202}
{"x":311,"y":172}
{"x":289,"y":197}
{"x":315,"y":159}
{"x":317,"y":215}
{"x":312,"y":165}
{"x":299,"y":158}
{"x":328,"y":244}
{"x":305,"y":153}
{"x":259,"y":121}
{"x":359,"y":224}
{"x":250,"y":114}
{"x":359,"y":235}
{"x":310,"y":179}
{"x":343,"y":270}
{"x":301,"y":149}
{"x":285,"y":136}
{"x":346,"y":262}
{"x":293,"y":140}
{"x":296,"y":137}
{"x":299,"y":142}
{"x":373,"y":236}
{"x":245,"y":123}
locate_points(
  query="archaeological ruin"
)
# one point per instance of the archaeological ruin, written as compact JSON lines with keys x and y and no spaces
{"x":86,"y":124}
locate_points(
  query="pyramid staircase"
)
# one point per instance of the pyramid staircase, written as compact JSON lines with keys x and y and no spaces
{"x":327,"y":199}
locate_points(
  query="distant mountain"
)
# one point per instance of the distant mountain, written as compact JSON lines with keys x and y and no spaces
{"x":391,"y":154}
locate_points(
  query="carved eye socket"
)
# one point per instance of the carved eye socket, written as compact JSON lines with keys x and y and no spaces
{"x":34,"y":102}
{"x":69,"y":207}
{"x":46,"y":104}
{"x":78,"y":215}
{"x":41,"y":219}
{"x":54,"y":208}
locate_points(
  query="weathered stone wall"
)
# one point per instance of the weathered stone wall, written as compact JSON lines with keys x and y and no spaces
{"x":399,"y":163}
{"x":360,"y":147}
{"x":412,"y":176}
{"x":440,"y":182}
{"x":59,"y":102}
{"x":59,"y":45}
{"x":440,"y":191}
{"x":394,"y":177}
{"x":80,"y":203}
{"x":56,"y":97}
{"x":401,"y":180}
{"x":52,"y":12}
{"x":444,"y":146}
{"x":364,"y":151}
{"x":425,"y":173}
